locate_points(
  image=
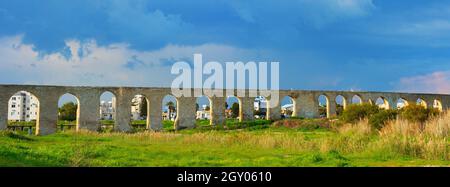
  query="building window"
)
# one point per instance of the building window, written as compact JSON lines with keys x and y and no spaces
{"x":13,"y":98}
{"x":28,"y":116}
{"x":13,"y":106}
{"x":28,"y":108}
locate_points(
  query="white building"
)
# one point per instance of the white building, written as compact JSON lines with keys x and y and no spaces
{"x":204,"y":113}
{"x":136,"y":106}
{"x":260,"y":104}
{"x":23,"y":106}
{"x":107,"y":109}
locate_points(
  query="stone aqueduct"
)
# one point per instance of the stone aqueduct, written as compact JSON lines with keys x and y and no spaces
{"x":305,"y":102}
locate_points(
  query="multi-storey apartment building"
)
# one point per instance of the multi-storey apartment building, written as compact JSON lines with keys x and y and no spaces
{"x":23,"y":106}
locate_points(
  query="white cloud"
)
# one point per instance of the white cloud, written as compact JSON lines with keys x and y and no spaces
{"x":436,"y":82}
{"x":87,"y":63}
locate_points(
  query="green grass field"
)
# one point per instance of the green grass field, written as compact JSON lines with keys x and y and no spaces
{"x":259,"y":145}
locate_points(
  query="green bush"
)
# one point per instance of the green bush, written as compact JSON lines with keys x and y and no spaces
{"x":22,"y":123}
{"x":68,"y":112}
{"x":356,"y":112}
{"x":379,"y":119}
{"x":417,"y":114}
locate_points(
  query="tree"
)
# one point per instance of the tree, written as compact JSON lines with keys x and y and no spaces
{"x":68,"y":112}
{"x":355,"y":112}
{"x":171,"y":107}
{"x":207,"y":108}
{"x":143,"y":108}
{"x":235,"y":110}
{"x":226,"y":105}
{"x":196,"y":107}
{"x":415,"y":113}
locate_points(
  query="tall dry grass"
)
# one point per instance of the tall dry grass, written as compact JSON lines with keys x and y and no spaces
{"x":360,"y":128}
{"x":426,"y":141}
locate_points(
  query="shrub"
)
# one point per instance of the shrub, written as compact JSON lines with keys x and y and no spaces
{"x":379,"y":119}
{"x":417,"y":113}
{"x":355,"y":112}
{"x":68,"y":112}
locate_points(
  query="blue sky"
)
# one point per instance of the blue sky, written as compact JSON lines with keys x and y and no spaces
{"x":320,"y":44}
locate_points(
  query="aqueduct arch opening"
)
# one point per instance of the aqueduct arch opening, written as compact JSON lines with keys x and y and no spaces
{"x":68,"y":112}
{"x":324,"y":106}
{"x":140,"y":113}
{"x":356,"y":99}
{"x":203,"y":111}
{"x":233,"y":108}
{"x":382,"y":103}
{"x":107,"y":113}
{"x":260,"y":107}
{"x":169,"y":111}
{"x":437,"y":104}
{"x":288,"y":107}
{"x":401,"y":103}
{"x":422,"y":102}
{"x":341,"y":104}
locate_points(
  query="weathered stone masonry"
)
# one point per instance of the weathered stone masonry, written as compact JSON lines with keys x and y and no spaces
{"x":305,"y":105}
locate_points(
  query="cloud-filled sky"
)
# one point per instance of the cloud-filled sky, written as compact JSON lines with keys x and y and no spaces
{"x":321,"y":44}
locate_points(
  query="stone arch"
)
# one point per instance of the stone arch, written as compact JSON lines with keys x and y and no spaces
{"x":401,"y":102}
{"x":23,"y":106}
{"x":382,"y":102}
{"x":324,"y":106}
{"x":422,"y":102}
{"x":288,"y":107}
{"x":107,"y":109}
{"x":357,"y":99}
{"x":204,"y":110}
{"x":341,"y":104}
{"x":66,"y":118}
{"x":169,"y":111}
{"x":140,"y":112}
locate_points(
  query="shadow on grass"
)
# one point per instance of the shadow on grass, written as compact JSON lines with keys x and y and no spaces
{"x":16,"y":136}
